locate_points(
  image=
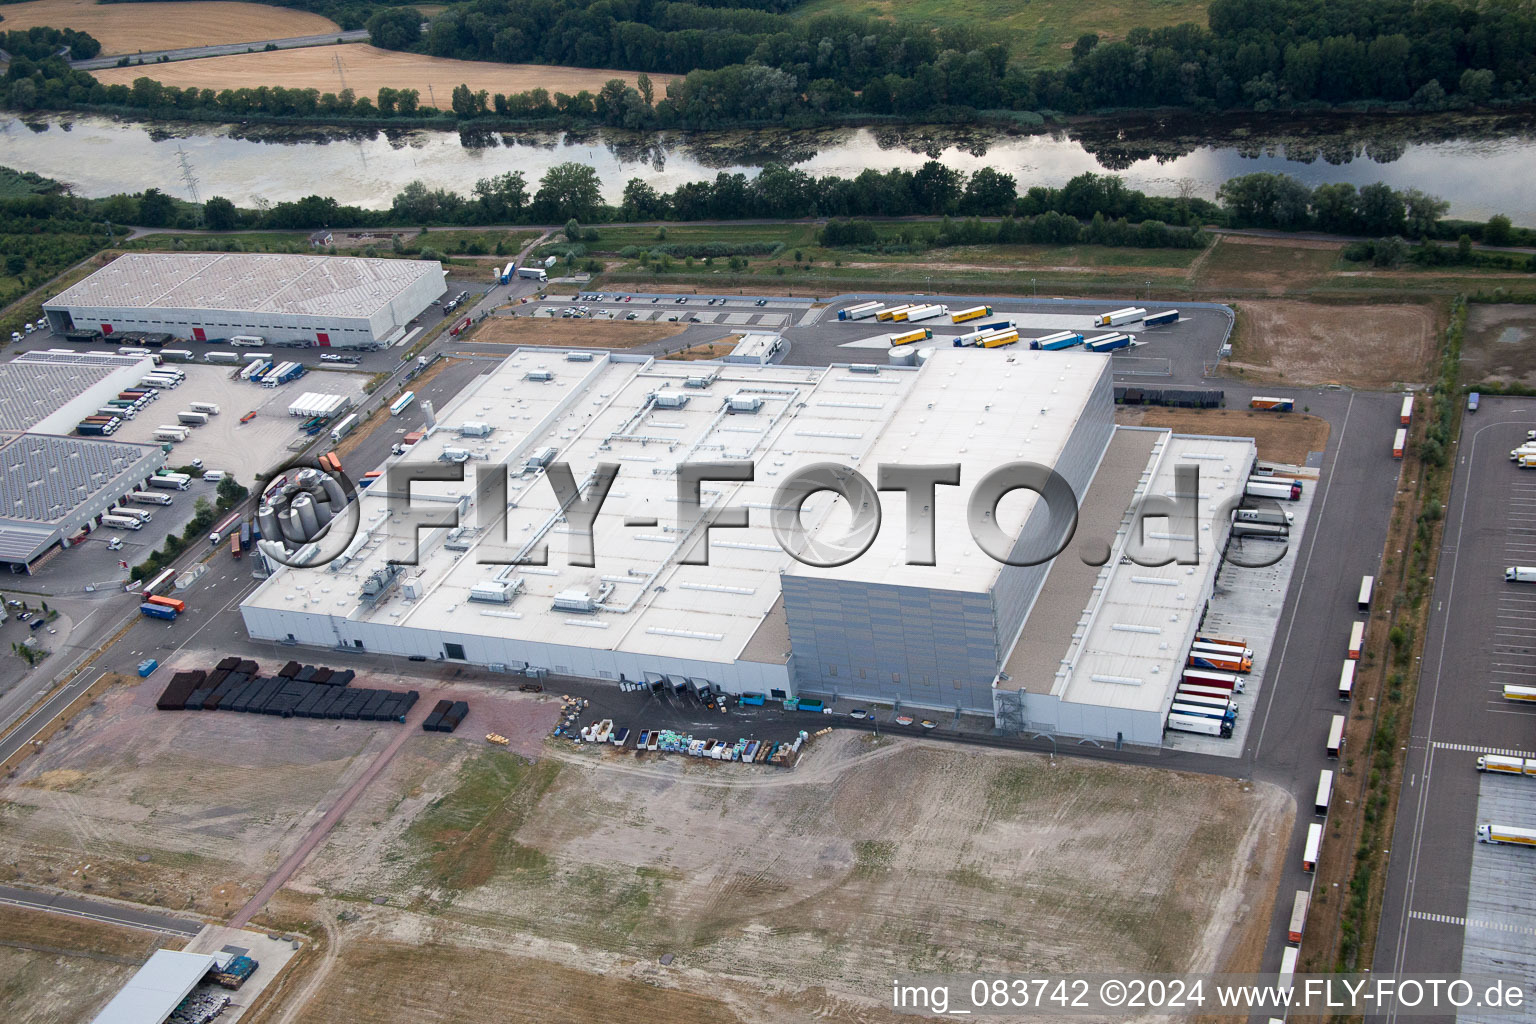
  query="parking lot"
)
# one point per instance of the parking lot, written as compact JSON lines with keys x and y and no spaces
{"x":1441,"y":882}
{"x":225,"y":442}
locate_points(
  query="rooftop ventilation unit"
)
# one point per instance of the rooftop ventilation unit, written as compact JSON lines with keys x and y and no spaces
{"x":668,"y":400}
{"x":578,"y":357}
{"x":743,"y":403}
{"x":540,"y":459}
{"x":540,"y":375}
{"x":699,"y":381}
{"x":495,"y":591}
{"x":474,"y":430}
{"x":575,"y":601}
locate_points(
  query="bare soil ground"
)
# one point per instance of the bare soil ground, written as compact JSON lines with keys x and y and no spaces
{"x":871,"y":856}
{"x":57,"y":968}
{"x":708,"y":350}
{"x":367,"y":69}
{"x":1294,"y":342}
{"x":1280,"y":437}
{"x":130,"y":28}
{"x":526,"y":330}
{"x":1500,"y":345}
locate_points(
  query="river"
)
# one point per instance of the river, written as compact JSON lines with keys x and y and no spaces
{"x":1479,"y":165}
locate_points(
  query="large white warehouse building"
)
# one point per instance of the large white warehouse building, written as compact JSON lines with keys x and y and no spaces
{"x":325,"y":301}
{"x":944,"y":636}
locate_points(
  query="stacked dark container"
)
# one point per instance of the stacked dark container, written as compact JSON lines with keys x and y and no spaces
{"x":446,"y":716}
{"x":297,"y":691}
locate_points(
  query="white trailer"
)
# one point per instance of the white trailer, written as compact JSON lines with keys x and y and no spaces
{"x":1314,"y":847}
{"x":149,"y":498}
{"x":196,"y":419}
{"x":1367,"y":585}
{"x":131,"y":513}
{"x":1199,"y":724}
{"x":1520,"y":574}
{"x":343,"y":428}
{"x":1324,"y":793}
{"x":1501,"y":765}
{"x":221,"y":357}
{"x":534,"y":273}
{"x":121,"y":523}
{"x":1288,"y":966}
{"x":926,"y":313}
{"x":177,"y":482}
{"x":1336,"y":736}
{"x":211,"y":408}
{"x":1356,"y":640}
{"x":1114,"y":318}
{"x":174,"y":436}
{"x":1506,"y":834}
{"x":1347,"y":680}
{"x":862,"y":311}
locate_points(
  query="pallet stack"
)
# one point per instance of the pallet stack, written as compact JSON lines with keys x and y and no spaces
{"x":446,"y":716}
{"x":295,"y":692}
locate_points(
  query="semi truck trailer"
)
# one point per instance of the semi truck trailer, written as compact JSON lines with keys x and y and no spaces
{"x":1520,"y":574}
{"x":1170,"y":316}
{"x":1506,"y":834}
{"x":1501,"y":765}
{"x":1272,"y":516}
{"x":1056,"y":342}
{"x":1114,"y":318}
{"x":1272,"y":404}
{"x":1281,"y":490}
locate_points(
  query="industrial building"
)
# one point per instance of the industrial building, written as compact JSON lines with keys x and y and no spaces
{"x":49,"y":392}
{"x":328,"y":301}
{"x":1029,"y":644}
{"x":159,"y":987}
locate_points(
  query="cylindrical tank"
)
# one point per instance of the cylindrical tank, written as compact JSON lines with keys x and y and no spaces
{"x":923,"y":355}
{"x":335,"y":496}
{"x":304,"y":506}
{"x":904,"y":355}
{"x":266,"y":517}
{"x":293,"y":530}
{"x":429,"y":413}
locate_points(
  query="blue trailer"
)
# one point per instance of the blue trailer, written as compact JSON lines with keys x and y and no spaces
{"x":1159,"y":319}
{"x":1056,"y":342}
{"x":147,"y":666}
{"x":1108,"y":342}
{"x":994,"y":325}
{"x":157,"y":611}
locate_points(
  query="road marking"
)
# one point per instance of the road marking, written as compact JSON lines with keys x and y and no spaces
{"x":1468,"y":748}
{"x":1462,"y":922}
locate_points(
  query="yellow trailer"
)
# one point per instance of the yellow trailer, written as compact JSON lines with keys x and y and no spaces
{"x":973,"y":313}
{"x":921,"y":334}
{"x":1000,"y":339}
{"x":890,"y":314}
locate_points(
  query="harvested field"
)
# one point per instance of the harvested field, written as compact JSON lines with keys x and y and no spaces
{"x":871,"y":856}
{"x":1280,"y":437}
{"x":131,"y":28}
{"x":59,"y":968}
{"x":1500,"y":345}
{"x":1302,"y":343}
{"x":1265,"y":265}
{"x":557,"y":333}
{"x":368,"y":69}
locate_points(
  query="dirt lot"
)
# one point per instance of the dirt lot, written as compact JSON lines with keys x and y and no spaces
{"x":367,"y":69}
{"x":525,"y":330}
{"x":57,"y":968}
{"x":869,"y":857}
{"x":1500,"y":345}
{"x":1266,"y":265}
{"x":1280,"y":437}
{"x":1300,"y":343}
{"x":130,"y":28}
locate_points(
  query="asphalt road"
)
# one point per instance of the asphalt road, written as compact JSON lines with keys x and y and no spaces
{"x":1471,"y":647}
{"x":98,"y":910}
{"x":222,"y":49}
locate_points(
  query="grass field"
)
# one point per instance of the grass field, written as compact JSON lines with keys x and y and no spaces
{"x":1041,"y":33}
{"x":367,"y":69}
{"x":129,"y":28}
{"x":57,"y":968}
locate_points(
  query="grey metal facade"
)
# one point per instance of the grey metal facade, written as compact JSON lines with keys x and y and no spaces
{"x":927,"y":646}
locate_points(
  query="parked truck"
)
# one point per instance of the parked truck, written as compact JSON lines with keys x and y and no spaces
{"x":1283,"y":490}
{"x":1114,"y":318}
{"x":535,"y":273}
{"x":221,"y":357}
{"x":194,"y":419}
{"x":908,"y":337}
{"x":121,"y":522}
{"x":1523,"y":694}
{"x":1405,"y":416}
{"x":1272,"y":404}
{"x":157,"y":611}
{"x":343,"y":428}
{"x":170,"y":481}
{"x":1199,"y":724}
{"x":1056,"y":342}
{"x":1108,"y":342}
{"x":861,"y":311}
{"x":1273,"y":516}
{"x":150,"y":498}
{"x":211,"y":408}
{"x":1501,"y":765}
{"x":506,"y":273}
{"x":1506,"y":834}
{"x":227,"y":526}
{"x":926,"y":313}
{"x":974,"y":313}
{"x":1170,"y":316}
{"x":1520,"y":574}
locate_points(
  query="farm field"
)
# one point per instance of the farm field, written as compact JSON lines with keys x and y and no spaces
{"x":871,"y":856}
{"x":131,"y":27}
{"x":368,"y":69}
{"x":1041,"y":34}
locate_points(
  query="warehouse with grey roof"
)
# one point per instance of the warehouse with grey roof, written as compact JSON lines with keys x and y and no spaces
{"x":324,"y":301}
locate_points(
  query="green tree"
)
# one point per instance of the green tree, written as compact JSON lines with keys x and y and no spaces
{"x":156,"y":209}
{"x":15,"y":264}
{"x":395,"y":28}
{"x":569,"y":190}
{"x":1498,"y":230}
{"x":219,"y":214}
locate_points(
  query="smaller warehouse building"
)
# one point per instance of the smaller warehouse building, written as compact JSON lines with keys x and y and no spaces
{"x":53,"y":487}
{"x":326,"y":301}
{"x":49,"y":392}
{"x":158,"y":988}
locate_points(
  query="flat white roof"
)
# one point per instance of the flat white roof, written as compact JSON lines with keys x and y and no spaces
{"x":972,"y":407}
{"x":601,"y":411}
{"x":248,"y":282}
{"x":1134,"y":648}
{"x":158,"y":988}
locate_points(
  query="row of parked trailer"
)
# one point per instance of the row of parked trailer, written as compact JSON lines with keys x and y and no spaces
{"x":1213,"y":675}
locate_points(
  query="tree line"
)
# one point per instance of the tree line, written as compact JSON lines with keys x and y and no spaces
{"x":746,"y":61}
{"x":41,"y":42}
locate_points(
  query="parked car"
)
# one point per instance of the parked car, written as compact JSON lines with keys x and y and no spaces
{"x":858,"y":713}
{"x":330,"y":357}
{"x":762,"y":302}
